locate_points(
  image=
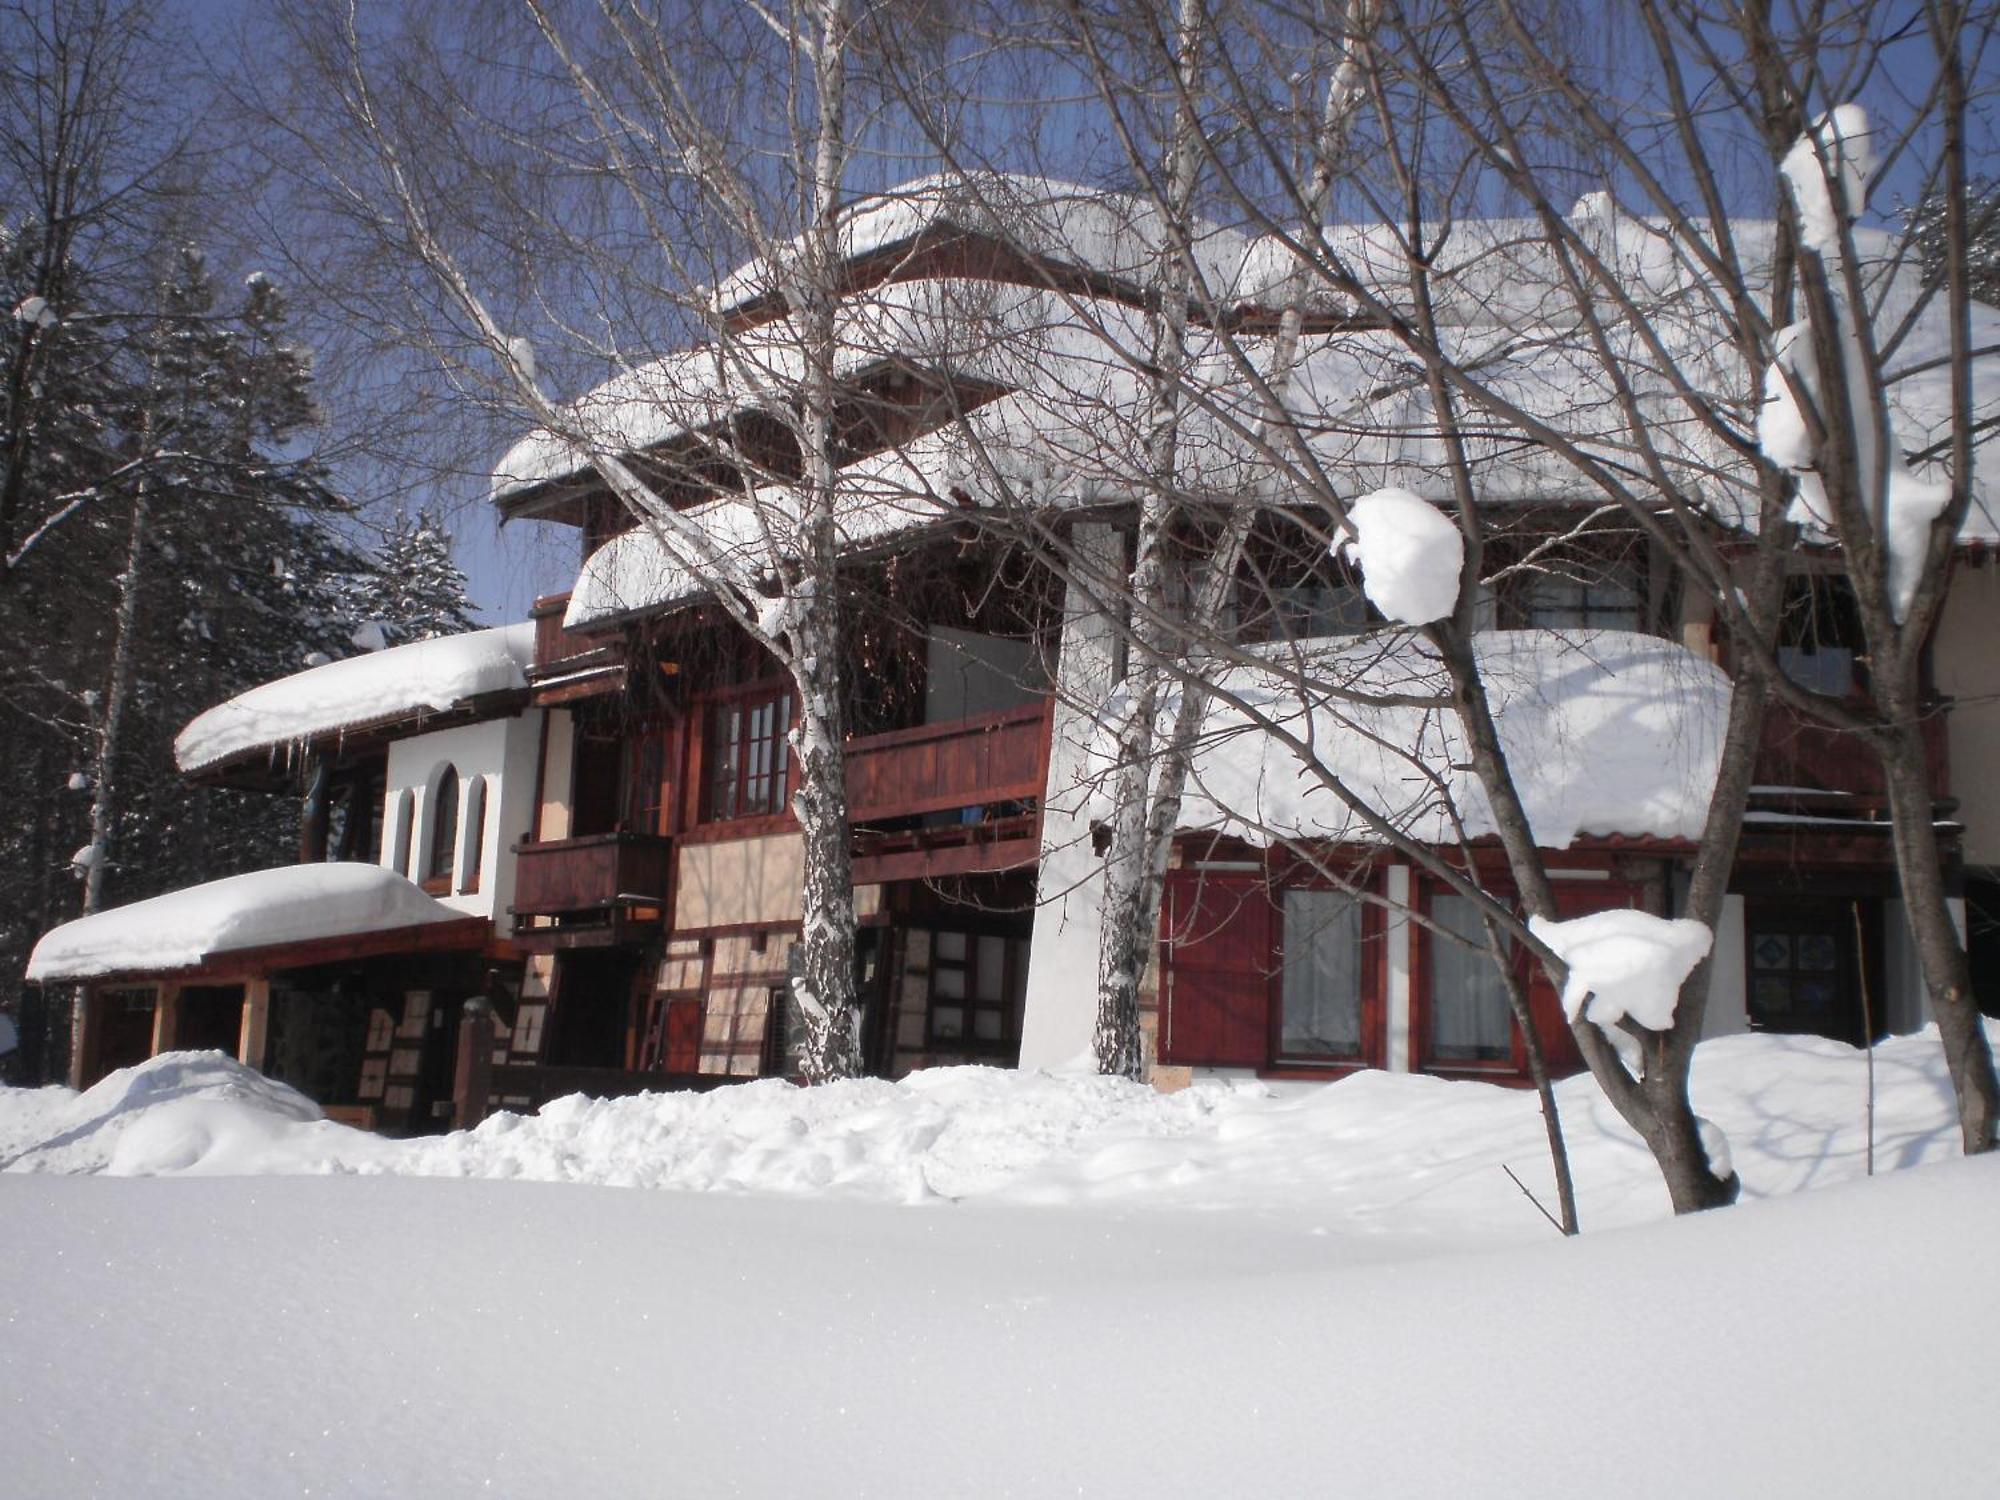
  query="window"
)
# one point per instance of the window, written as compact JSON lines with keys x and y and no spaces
{"x":648,"y":791}
{"x":1469,"y":1017}
{"x":1608,"y":597}
{"x":1819,"y":634}
{"x":1319,"y":1003}
{"x":746,"y":757}
{"x":978,"y":980}
{"x":475,"y":834}
{"x":442,"y":849}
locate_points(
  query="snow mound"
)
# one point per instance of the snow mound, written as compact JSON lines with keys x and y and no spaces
{"x":179,"y":1113}
{"x":291,"y":904}
{"x":1410,"y":554}
{"x":1397,"y":1159}
{"x":432,"y":676}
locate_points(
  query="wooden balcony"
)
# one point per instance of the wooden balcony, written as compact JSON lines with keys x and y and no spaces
{"x":1804,"y":761}
{"x":570,"y":664}
{"x":604,"y":872}
{"x":966,"y":763}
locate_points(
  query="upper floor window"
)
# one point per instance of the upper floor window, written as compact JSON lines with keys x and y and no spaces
{"x":745,"y":764}
{"x":442,"y":849}
{"x":1609,"y":596}
{"x":1820,"y":639}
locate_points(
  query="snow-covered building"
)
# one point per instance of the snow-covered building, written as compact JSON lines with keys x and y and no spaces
{"x":986,"y":349}
{"x":618,"y":776}
{"x":345,"y":973}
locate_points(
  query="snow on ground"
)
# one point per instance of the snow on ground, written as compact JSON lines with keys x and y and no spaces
{"x":1394,"y":1161}
{"x":1231,"y":1290}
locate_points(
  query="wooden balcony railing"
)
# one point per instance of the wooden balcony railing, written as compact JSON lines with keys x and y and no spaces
{"x":1801,"y":753}
{"x":601,"y":872}
{"x":990,"y":758}
{"x":559,"y":651}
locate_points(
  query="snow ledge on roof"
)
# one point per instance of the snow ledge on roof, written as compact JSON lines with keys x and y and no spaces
{"x":293,"y":904}
{"x":431,"y":676}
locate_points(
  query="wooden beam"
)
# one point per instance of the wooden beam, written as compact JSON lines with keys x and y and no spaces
{"x":166,"y":1018}
{"x":251,"y":1041}
{"x":962,"y":859}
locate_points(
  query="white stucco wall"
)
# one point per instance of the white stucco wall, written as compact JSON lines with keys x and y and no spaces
{"x":503,"y":751}
{"x":1728,"y":1012}
{"x":1059,"y":1015}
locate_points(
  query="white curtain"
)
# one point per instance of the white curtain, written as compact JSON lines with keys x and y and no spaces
{"x":1322,"y":975}
{"x":1470,"y":1018}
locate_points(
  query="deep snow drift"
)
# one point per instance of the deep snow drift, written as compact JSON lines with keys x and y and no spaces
{"x":385,"y":1335}
{"x":1390,"y":1162}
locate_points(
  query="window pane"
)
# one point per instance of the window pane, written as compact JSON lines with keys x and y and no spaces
{"x":948,"y":984}
{"x":986,"y":1025}
{"x":992,"y":968}
{"x":951,"y":945}
{"x":1470,"y":1018}
{"x":948,"y":1022}
{"x":1321,"y":988}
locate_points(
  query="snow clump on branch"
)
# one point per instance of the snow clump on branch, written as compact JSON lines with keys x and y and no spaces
{"x":1410,"y":554}
{"x":1838,"y":148}
{"x":1901,"y":503}
{"x":1624,"y":963}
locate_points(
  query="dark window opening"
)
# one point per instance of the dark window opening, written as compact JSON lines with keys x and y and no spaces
{"x":443,"y":847}
{"x":1605,"y":595}
{"x":1820,"y":642}
{"x":978,"y":983}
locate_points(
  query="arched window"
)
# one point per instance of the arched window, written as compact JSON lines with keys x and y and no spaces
{"x":475,"y":835}
{"x":442,"y":850}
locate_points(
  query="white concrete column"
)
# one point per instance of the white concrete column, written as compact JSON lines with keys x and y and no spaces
{"x":1060,"y":1013}
{"x":1728,"y":1011}
{"x":1398,"y":888}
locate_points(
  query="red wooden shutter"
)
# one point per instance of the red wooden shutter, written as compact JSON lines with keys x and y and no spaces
{"x":683,"y":1041}
{"x":1216,"y":962}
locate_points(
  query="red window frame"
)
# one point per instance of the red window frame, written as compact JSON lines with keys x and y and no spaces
{"x":1360,"y":887}
{"x":746,"y":772}
{"x":1574,"y":898}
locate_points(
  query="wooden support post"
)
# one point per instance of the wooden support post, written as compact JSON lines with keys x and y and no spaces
{"x":256,"y":1030}
{"x":166,"y":1019}
{"x":472,"y":1081}
{"x":84,"y":1026}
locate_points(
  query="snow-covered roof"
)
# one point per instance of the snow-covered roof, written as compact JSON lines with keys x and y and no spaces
{"x":183,"y":929}
{"x":431,"y":676}
{"x":1504,"y":314}
{"x":1110,"y":234}
{"x":1607,"y":732}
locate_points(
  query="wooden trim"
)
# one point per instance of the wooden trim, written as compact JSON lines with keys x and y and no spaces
{"x":988,"y":858}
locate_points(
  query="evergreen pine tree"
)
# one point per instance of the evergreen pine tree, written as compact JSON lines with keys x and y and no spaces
{"x":419,"y":590}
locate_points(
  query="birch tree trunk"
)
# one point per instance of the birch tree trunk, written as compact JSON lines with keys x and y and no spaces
{"x":826,"y":989}
{"x":1131,"y":890}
